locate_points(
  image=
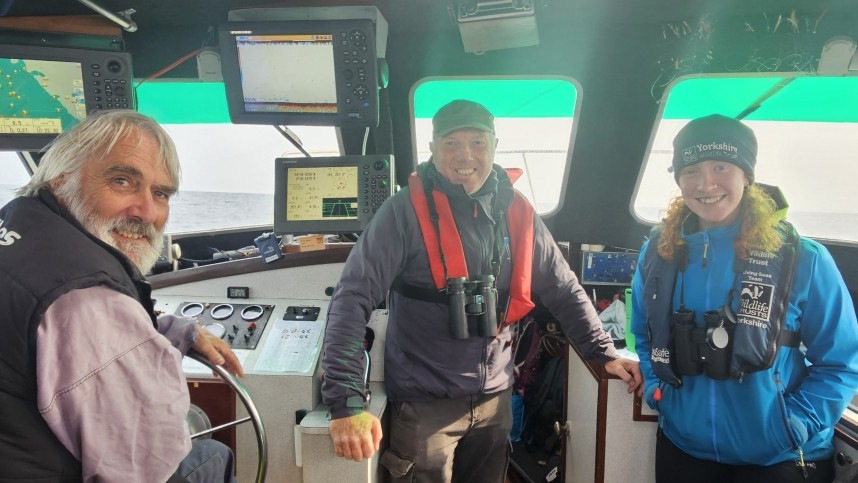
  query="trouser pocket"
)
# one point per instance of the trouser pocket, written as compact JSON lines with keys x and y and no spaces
{"x":398,"y":466}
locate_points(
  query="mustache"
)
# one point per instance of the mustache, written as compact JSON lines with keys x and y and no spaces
{"x":132,"y":226}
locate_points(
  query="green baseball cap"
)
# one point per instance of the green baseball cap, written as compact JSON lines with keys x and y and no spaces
{"x":462,"y":114}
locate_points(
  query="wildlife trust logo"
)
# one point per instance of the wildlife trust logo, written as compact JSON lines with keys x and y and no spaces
{"x":7,"y":237}
{"x":699,"y":152}
{"x":756,"y":300}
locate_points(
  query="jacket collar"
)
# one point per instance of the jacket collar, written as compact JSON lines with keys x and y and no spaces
{"x":497,"y":189}
{"x":47,"y":198}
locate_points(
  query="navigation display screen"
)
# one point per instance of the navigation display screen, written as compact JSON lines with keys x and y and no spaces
{"x":40,"y":96}
{"x":287,"y":73}
{"x":323,"y":193}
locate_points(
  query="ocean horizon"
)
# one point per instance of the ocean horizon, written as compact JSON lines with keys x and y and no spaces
{"x":194,"y":211}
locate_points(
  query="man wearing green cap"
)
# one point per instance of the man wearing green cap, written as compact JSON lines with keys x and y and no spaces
{"x":460,"y":252}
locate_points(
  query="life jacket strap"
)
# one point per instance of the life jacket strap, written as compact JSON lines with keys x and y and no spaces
{"x":420,"y":293}
{"x":789,"y":338}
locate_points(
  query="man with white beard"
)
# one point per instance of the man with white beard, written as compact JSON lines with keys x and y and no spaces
{"x":91,"y":384}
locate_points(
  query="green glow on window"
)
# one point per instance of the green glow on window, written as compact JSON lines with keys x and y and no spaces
{"x":503,"y":97}
{"x":812,"y":99}
{"x":183,"y":102}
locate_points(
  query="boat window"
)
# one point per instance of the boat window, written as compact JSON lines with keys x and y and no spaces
{"x":12,"y":176}
{"x":807,"y":132}
{"x":227,"y":169}
{"x":534,"y":123}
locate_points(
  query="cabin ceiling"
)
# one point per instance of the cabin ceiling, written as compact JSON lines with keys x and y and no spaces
{"x":422,"y":15}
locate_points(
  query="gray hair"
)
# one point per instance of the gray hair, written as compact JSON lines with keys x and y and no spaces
{"x":94,"y":138}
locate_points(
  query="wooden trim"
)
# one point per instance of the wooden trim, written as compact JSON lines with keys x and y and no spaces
{"x":601,"y":429}
{"x":217,"y":400}
{"x":248,"y":265}
{"x":637,"y":414}
{"x":70,"y":24}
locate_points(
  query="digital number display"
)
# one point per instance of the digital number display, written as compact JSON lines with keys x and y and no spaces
{"x":238,"y":292}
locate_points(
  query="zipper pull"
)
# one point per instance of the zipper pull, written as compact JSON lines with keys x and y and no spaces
{"x":801,"y":463}
{"x":705,"y":248}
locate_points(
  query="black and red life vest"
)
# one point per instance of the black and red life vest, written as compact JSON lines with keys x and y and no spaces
{"x":445,"y":248}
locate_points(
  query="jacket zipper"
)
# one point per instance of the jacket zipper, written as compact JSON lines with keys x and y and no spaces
{"x":776,"y":375}
{"x":483,"y":366}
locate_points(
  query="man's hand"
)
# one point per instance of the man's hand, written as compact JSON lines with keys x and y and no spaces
{"x":356,"y":437}
{"x":217,"y":351}
{"x":627,"y":370}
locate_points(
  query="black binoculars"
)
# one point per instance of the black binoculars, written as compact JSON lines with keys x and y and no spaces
{"x":702,"y":348}
{"x":473,"y":306}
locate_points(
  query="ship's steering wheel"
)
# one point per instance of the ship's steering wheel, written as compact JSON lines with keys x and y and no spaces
{"x":241,"y":392}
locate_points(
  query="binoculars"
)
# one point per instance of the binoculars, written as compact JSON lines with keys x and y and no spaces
{"x":700,"y":349}
{"x":473,"y":306}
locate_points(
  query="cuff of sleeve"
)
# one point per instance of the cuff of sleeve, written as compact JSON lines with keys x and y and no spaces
{"x":189,"y":338}
{"x":649,"y":396}
{"x":339,"y":410}
{"x":608,"y":356}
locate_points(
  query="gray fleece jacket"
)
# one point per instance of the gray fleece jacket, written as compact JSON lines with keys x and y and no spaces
{"x":422,"y":360}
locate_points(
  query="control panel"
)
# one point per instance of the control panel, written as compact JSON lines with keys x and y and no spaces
{"x":241,"y":325}
{"x":376,"y":180}
{"x":308,"y":313}
{"x":358,"y":84}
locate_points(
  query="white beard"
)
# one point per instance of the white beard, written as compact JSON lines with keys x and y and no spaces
{"x":144,"y":257}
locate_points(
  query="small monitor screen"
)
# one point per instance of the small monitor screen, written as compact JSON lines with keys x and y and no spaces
{"x":288,"y":73}
{"x":337,"y":194}
{"x":44,"y":96}
{"x":323,"y":193}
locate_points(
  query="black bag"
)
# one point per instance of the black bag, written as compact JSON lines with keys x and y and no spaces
{"x":543,"y":406}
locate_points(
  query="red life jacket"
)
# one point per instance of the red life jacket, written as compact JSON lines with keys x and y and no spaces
{"x":448,"y":245}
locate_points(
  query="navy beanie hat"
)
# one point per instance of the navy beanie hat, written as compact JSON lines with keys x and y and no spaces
{"x":715,"y":138}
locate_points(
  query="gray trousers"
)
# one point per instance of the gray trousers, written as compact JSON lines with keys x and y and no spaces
{"x":462,"y":440}
{"x":209,"y":461}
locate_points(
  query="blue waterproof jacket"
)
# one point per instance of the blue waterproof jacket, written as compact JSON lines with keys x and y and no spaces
{"x":768,"y":416}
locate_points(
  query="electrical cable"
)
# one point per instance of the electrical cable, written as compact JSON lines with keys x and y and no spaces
{"x":170,"y":67}
{"x":363,"y":145}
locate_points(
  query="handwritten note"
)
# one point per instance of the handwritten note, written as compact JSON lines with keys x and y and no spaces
{"x":293,"y":346}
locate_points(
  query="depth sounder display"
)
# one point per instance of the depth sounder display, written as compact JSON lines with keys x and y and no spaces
{"x":336,"y":194}
{"x":323,"y":193}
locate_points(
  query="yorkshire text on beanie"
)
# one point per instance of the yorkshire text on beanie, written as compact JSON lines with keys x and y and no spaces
{"x":715,"y":138}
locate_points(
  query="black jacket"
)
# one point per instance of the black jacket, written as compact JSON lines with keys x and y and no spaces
{"x":44,"y":254}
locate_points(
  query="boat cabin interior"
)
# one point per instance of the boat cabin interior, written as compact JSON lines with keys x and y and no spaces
{"x":295,"y":120}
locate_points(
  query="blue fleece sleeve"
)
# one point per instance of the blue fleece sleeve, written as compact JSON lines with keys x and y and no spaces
{"x":829,"y":331}
{"x":639,"y":329}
